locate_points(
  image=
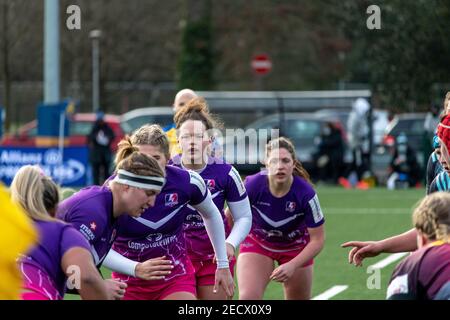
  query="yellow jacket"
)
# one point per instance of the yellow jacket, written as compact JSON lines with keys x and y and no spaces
{"x":17,"y":235}
{"x":173,"y":141}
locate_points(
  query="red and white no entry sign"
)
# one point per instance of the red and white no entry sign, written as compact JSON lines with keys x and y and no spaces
{"x":261,"y":64}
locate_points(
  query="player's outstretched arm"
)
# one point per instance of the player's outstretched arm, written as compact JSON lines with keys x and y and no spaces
{"x":405,"y":242}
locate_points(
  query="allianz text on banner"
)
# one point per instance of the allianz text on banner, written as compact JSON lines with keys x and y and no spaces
{"x":71,"y":171}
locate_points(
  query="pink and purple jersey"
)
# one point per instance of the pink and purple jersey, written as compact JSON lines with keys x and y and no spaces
{"x":281,"y":224}
{"x":225,"y":184}
{"x":159,"y":230}
{"x":90,"y":211}
{"x":41,"y":267}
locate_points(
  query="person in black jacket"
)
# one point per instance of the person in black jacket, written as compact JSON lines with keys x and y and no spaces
{"x":404,"y":167}
{"x":330,"y":157}
{"x":100,"y":154}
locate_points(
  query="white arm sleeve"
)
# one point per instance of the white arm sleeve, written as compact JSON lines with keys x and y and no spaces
{"x":117,"y":262}
{"x":215,"y":229}
{"x":242,"y":216}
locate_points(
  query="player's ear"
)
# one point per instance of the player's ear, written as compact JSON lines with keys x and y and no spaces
{"x":422,"y":239}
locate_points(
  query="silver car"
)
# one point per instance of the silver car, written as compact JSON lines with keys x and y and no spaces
{"x":136,"y":118}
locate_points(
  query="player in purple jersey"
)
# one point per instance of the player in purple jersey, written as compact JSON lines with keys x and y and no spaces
{"x":159,"y":231}
{"x":194,"y":125}
{"x":95,"y":211}
{"x":61,"y":252}
{"x":287,"y":227}
{"x":424,"y":274}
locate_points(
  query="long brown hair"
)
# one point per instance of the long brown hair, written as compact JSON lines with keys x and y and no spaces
{"x":197,"y":109}
{"x":287,"y":144}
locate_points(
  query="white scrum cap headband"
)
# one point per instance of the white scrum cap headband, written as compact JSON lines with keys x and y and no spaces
{"x":138,"y":181}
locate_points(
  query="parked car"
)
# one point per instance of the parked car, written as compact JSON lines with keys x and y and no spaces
{"x":80,"y":126}
{"x":412,"y":125}
{"x":302,"y":128}
{"x":136,"y":118}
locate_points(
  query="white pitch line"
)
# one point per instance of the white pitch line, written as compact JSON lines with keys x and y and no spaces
{"x":326,"y":295}
{"x":388,"y":260}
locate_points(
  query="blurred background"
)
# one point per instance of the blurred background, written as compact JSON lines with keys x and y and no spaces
{"x":270,"y":52}
{"x":359,"y":91}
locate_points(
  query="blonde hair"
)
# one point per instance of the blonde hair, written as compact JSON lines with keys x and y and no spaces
{"x":140,"y":164}
{"x":149,"y":134}
{"x":287,"y":144}
{"x":36,"y":193}
{"x":446,"y":104}
{"x":432,"y":216}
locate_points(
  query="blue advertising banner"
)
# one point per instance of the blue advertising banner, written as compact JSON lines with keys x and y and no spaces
{"x":72,"y":171}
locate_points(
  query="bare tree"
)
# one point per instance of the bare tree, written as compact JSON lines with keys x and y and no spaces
{"x":5,"y":65}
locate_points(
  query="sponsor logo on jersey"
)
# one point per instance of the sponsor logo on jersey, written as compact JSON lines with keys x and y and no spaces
{"x":315,"y":208}
{"x":290,"y":206}
{"x":238,"y":181}
{"x":87,"y":232}
{"x":154,"y":237}
{"x":171,"y":199}
{"x":210,"y":183}
{"x":190,"y":217}
{"x":272,"y":233}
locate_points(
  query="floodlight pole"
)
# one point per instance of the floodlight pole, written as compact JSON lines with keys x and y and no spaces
{"x":51,"y":52}
{"x":95,"y":37}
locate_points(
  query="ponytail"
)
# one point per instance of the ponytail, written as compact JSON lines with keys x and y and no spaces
{"x":125,"y":149}
{"x":300,"y":171}
{"x":36,"y":193}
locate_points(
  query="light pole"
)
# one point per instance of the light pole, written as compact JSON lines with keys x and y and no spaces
{"x":95,"y":36}
{"x":51,"y":52}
